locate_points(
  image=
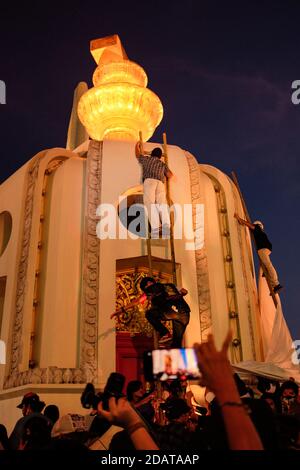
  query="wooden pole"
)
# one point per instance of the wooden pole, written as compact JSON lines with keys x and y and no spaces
{"x":141,"y":142}
{"x":172,"y":247}
{"x":149,"y":250}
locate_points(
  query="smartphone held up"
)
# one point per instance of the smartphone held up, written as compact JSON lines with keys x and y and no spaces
{"x":171,"y":364}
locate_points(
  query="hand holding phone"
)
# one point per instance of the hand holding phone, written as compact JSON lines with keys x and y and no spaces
{"x":171,"y":364}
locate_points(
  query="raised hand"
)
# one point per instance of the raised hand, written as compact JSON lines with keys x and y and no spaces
{"x":117,"y":313}
{"x":214,"y":365}
{"x":218,"y":377}
{"x":120,"y":412}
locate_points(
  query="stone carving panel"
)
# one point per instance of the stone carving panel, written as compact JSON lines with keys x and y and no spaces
{"x":200,"y":255}
{"x":91,"y":253}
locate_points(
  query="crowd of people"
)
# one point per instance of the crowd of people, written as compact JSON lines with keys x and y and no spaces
{"x":236,"y":416}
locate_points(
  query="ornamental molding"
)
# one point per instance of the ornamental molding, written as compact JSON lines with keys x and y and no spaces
{"x":88,"y":332}
{"x":200,"y":255}
{"x":243,"y":261}
{"x":90,"y":266}
{"x":16,"y":345}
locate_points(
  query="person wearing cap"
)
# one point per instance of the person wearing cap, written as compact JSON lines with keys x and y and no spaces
{"x":167,"y":303}
{"x":155,"y":173}
{"x":31,"y":404}
{"x":264,"y":249}
{"x":31,"y":407}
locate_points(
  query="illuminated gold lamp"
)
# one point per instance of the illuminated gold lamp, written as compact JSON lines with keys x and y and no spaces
{"x":119,"y":105}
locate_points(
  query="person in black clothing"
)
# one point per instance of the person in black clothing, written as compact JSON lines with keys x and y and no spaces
{"x":31,"y":407}
{"x":167,"y":303}
{"x":52,"y":413}
{"x":4,"y":443}
{"x":264,"y":249}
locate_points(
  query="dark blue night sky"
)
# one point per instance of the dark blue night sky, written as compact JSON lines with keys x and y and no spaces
{"x":223,"y":71}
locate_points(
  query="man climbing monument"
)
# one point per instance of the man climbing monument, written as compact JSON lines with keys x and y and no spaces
{"x":264,"y":249}
{"x":167,"y":303}
{"x":155,"y":173}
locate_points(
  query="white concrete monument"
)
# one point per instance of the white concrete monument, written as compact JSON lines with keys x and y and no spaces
{"x":59,"y":283}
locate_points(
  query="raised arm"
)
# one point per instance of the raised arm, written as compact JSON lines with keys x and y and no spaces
{"x":138,"y":149}
{"x":137,"y":301}
{"x":218,"y":377}
{"x":122,"y":414}
{"x":244,"y":222}
{"x":181,"y":292}
{"x":168,"y":172}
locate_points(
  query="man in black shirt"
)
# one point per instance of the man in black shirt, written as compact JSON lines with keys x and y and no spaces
{"x":167,"y":303}
{"x":31,"y":407}
{"x":264,"y":249}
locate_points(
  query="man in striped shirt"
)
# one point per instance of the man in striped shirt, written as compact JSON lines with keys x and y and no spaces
{"x":155,"y":173}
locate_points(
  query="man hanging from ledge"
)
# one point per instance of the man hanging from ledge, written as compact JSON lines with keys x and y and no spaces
{"x":155,"y":173}
{"x":264,"y":249}
{"x":167,"y":303}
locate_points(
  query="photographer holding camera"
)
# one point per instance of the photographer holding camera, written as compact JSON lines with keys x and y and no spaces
{"x":112,"y":408}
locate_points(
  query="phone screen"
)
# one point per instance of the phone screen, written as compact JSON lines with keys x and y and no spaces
{"x":171,"y":364}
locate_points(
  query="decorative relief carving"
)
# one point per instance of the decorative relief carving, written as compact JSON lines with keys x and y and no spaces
{"x":127,"y":290}
{"x":50,"y":375}
{"x":57,"y":375}
{"x":88,"y":368}
{"x":91,"y":253}
{"x":243,"y":264}
{"x":200,"y":255}
{"x":134,"y":320}
{"x":23,"y":265}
